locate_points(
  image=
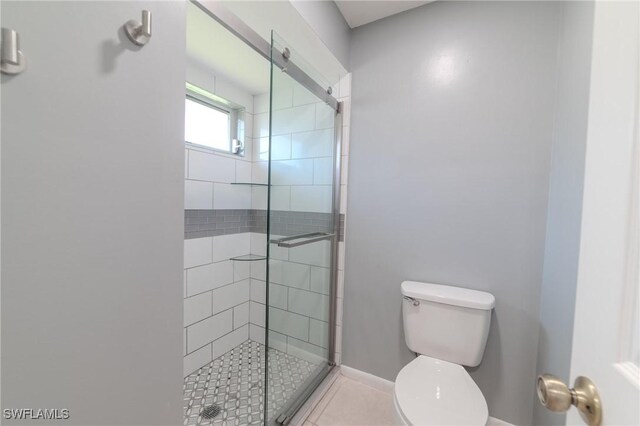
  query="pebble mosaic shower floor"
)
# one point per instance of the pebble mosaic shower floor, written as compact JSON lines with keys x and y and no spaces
{"x":235,"y":382}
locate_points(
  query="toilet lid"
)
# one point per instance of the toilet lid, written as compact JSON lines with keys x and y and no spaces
{"x":430,"y":391}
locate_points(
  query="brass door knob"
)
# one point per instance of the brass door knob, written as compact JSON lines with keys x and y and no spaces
{"x":556,"y":396}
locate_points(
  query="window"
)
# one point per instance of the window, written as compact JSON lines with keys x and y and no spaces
{"x":206,"y":125}
{"x":212,"y":122}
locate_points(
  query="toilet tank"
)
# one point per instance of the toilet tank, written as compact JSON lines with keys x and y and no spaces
{"x":446,"y":322}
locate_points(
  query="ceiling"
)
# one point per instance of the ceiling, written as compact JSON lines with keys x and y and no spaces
{"x":358,"y":13}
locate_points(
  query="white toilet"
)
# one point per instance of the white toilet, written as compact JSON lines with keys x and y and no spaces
{"x":447,"y":327}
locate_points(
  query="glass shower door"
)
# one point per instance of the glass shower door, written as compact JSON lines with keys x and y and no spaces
{"x":300,"y":235}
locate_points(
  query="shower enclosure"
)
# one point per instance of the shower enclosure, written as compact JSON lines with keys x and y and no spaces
{"x":299,"y":155}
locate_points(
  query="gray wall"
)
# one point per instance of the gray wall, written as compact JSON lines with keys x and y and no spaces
{"x":558,"y":291}
{"x":92,"y":214}
{"x":451,"y":137}
{"x":325,"y":19}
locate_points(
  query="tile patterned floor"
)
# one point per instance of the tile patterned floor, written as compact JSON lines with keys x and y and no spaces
{"x":350,"y":403}
{"x":235,"y":381}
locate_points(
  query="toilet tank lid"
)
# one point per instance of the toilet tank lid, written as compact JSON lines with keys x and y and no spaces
{"x":449,"y":295}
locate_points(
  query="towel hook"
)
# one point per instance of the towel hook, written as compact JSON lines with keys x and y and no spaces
{"x":12,"y":60}
{"x":139,"y":32}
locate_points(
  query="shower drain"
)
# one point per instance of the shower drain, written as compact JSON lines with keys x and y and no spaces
{"x":210,"y":411}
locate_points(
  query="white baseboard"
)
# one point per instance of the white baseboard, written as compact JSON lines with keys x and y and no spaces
{"x":367,"y":379}
{"x":497,"y":422}
{"x":385,"y":385}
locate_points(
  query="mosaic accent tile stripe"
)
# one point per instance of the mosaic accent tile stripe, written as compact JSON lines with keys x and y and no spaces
{"x":235,"y":382}
{"x":211,"y":223}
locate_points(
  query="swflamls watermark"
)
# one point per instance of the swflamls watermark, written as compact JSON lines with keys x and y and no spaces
{"x":35,"y":413}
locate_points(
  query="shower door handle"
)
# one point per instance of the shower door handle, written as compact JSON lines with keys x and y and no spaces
{"x":313,"y":237}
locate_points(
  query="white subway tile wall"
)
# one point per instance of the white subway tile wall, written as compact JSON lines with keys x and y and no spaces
{"x":198,"y":194}
{"x":204,"y":332}
{"x":208,"y":277}
{"x":197,"y":308}
{"x":240,"y":315}
{"x":230,"y":341}
{"x":197,"y":252}
{"x":227,"y":246}
{"x":216,"y":304}
{"x":197,"y":359}
{"x":231,"y":197}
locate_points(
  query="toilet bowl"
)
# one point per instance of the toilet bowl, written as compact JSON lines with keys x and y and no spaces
{"x":447,"y":327}
{"x":430,"y":391}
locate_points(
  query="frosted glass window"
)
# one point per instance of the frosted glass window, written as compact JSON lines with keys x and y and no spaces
{"x":206,"y":125}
